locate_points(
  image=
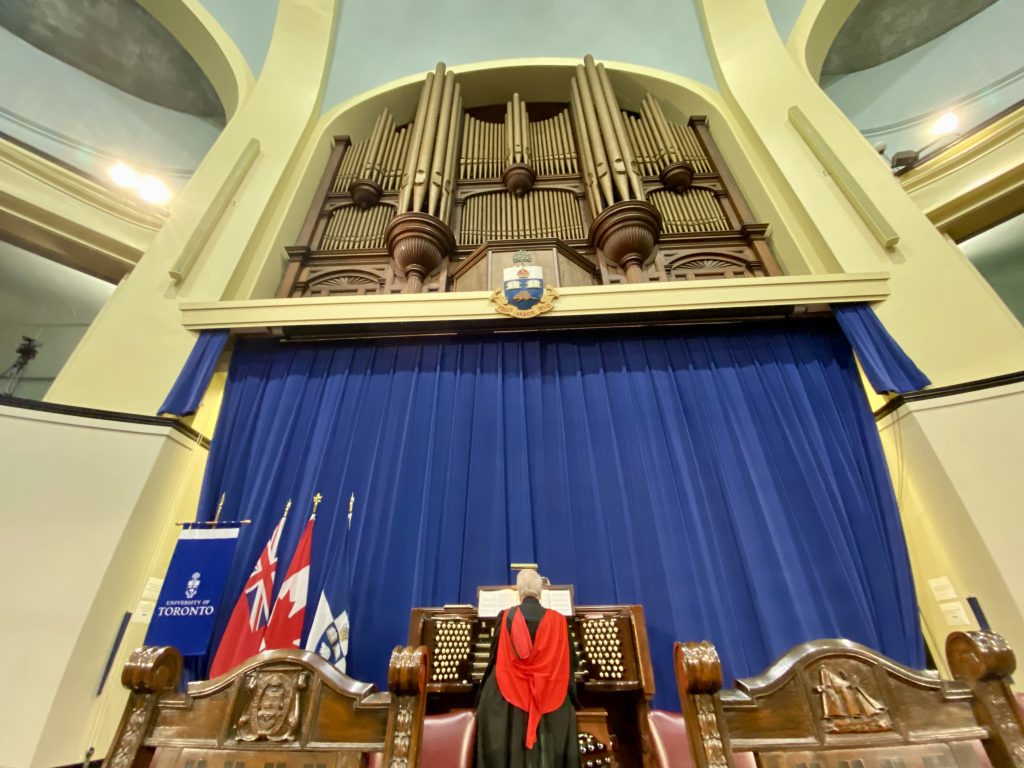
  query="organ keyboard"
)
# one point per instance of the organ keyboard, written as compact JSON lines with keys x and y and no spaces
{"x":614,"y":681}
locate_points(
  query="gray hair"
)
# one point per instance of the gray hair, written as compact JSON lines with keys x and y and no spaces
{"x":529,"y":583}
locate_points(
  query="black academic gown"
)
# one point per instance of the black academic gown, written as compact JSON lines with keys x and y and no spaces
{"x":501,"y":727}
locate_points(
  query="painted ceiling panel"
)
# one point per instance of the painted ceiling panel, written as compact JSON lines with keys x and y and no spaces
{"x":118,"y":42}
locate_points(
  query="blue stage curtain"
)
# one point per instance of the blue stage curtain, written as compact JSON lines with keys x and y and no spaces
{"x":187,"y":392}
{"x":884,"y":362}
{"x":730,"y":481}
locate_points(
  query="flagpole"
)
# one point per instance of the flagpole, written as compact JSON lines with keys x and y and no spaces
{"x":216,"y":517}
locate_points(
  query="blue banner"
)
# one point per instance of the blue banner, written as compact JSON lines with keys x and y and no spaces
{"x":192,"y":589}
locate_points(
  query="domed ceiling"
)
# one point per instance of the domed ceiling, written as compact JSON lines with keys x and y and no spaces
{"x":880,"y":30}
{"x":118,"y":42}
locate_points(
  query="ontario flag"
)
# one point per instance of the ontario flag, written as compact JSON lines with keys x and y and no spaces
{"x":251,"y":614}
{"x":285,"y":627}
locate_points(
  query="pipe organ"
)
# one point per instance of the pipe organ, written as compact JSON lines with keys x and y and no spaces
{"x":601,"y":193}
{"x":614,"y":682}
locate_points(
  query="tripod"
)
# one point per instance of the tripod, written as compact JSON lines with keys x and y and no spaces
{"x":26,"y":352}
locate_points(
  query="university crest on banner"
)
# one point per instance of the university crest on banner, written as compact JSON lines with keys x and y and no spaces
{"x":524,"y":291}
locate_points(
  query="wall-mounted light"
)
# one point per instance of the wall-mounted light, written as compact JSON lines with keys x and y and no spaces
{"x":148,"y":188}
{"x":152,"y":190}
{"x":123,"y":175}
{"x":945,"y":125}
{"x":943,"y":131}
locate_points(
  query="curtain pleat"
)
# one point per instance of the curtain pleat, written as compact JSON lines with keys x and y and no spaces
{"x":731,"y":481}
{"x":190,"y":386}
{"x":886,"y":365}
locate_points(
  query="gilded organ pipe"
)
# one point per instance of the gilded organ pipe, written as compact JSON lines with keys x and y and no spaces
{"x":451,"y":149}
{"x":412,"y":154}
{"x":588,"y":167}
{"x":590,"y":135}
{"x":615,"y":117}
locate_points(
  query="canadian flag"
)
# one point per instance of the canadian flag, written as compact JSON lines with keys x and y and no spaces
{"x":248,"y":622}
{"x":285,"y":627}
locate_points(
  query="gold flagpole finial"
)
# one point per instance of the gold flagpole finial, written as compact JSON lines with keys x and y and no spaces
{"x":220,"y":506}
{"x":316,"y":502}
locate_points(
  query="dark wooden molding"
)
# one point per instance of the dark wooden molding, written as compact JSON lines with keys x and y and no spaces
{"x":946,"y":391}
{"x":95,"y":413}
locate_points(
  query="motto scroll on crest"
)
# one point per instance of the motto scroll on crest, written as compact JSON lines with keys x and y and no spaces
{"x":524,"y":290}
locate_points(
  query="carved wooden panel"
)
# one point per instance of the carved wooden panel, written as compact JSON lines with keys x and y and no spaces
{"x":281,"y":708}
{"x":563,"y":265}
{"x":699,"y":264}
{"x":837,"y":704}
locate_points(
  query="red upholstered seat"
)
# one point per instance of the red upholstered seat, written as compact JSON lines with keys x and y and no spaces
{"x":668,"y":739}
{"x":448,"y":740}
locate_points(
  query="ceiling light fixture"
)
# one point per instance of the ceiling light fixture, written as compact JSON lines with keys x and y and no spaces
{"x":148,"y":188}
{"x":152,"y":190}
{"x":123,"y":175}
{"x":946,"y":124}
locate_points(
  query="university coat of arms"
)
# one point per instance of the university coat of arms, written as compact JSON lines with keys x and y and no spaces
{"x":524,"y":292}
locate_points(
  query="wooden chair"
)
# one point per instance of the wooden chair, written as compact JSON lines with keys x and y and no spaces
{"x":837,"y":704}
{"x":285,"y":709}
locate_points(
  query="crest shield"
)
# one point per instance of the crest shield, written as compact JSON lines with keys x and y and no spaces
{"x":523,"y":285}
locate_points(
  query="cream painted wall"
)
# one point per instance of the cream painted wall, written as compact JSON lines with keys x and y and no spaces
{"x":941,"y":311}
{"x":87,"y":516}
{"x":141,"y":322}
{"x":955,"y":463}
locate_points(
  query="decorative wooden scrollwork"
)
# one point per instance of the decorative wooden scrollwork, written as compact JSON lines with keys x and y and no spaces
{"x":271,"y":705}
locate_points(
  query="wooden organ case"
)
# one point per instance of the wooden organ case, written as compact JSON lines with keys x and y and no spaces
{"x":596,"y":194}
{"x":615,"y":680}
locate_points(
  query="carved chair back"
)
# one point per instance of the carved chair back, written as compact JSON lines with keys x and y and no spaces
{"x":837,"y":704}
{"x":287,"y":709}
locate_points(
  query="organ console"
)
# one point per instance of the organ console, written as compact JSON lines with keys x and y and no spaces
{"x":615,"y":681}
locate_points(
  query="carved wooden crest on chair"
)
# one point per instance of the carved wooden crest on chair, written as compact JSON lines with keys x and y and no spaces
{"x":284,"y":708}
{"x":830,"y":703}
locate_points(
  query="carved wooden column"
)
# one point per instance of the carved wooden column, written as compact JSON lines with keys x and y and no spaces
{"x":626,"y":227}
{"x":419,"y":237}
{"x":407,"y":684}
{"x":699,"y":679}
{"x":985,"y":661}
{"x":149,"y":672}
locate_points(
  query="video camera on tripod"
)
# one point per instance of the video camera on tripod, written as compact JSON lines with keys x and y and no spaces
{"x":26,"y":352}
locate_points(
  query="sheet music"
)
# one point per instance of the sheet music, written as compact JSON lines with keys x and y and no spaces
{"x":494,"y":601}
{"x":557,"y":599}
{"x":497,"y":599}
